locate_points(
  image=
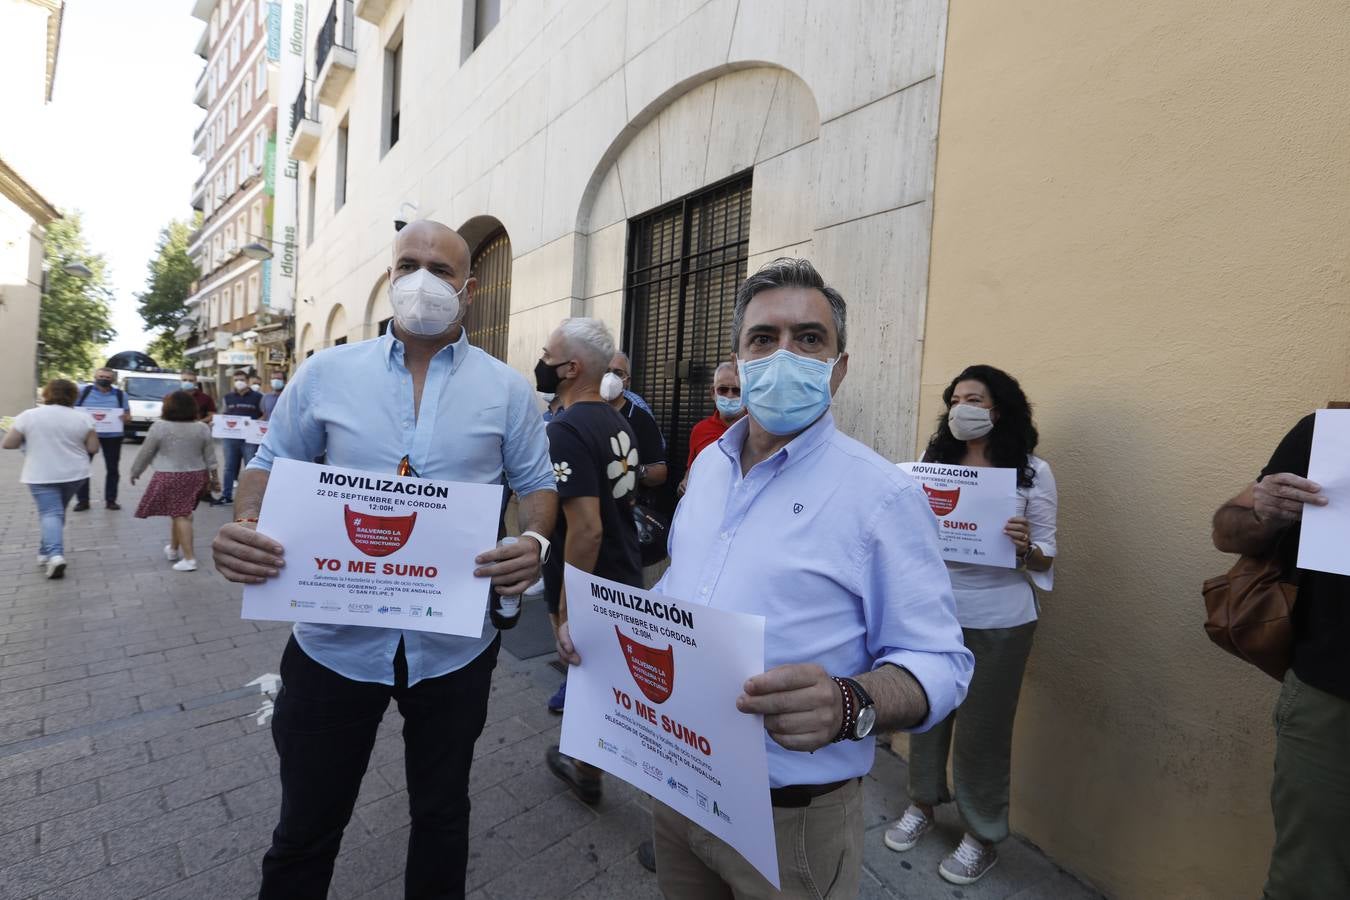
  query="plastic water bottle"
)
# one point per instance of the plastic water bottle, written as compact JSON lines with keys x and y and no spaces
{"x":505,"y":611}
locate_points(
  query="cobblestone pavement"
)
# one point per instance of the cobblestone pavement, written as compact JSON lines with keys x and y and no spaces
{"x":135,"y":758}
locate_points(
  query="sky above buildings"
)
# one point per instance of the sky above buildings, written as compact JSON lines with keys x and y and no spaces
{"x":117,"y":136}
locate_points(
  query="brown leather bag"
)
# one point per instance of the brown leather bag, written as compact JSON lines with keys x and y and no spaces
{"x":1248,"y":610}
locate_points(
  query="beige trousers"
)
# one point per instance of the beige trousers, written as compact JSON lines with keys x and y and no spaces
{"x":820,"y":849}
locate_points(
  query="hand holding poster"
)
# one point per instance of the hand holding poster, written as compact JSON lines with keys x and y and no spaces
{"x":254,"y":431}
{"x":366,"y":549}
{"x":654,"y":703}
{"x":230,"y":427}
{"x":104,"y":421}
{"x":973,"y":504}
{"x":1324,"y":542}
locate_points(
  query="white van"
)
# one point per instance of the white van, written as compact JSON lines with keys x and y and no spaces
{"x":145,"y":394}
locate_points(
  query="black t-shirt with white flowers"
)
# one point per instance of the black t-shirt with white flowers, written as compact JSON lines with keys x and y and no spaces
{"x":595,"y":454}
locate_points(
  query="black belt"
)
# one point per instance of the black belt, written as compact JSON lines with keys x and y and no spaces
{"x":795,"y":796}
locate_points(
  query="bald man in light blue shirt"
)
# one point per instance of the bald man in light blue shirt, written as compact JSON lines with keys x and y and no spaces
{"x":788,"y":518}
{"x":419,"y":401}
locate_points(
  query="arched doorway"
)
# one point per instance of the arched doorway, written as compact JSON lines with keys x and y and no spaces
{"x":336,"y":332}
{"x":378,"y":309}
{"x":305,"y":349}
{"x":489,"y":317}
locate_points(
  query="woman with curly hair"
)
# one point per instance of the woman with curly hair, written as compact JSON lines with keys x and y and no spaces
{"x":987,"y":423}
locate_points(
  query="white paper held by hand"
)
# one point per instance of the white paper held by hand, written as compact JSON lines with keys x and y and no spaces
{"x":1324,"y":542}
{"x":364,"y":548}
{"x":654,"y":703}
{"x":972,"y":505}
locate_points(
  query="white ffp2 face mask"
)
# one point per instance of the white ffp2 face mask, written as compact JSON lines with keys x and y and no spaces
{"x":969,"y":423}
{"x":423,"y":304}
{"x":611,"y":386}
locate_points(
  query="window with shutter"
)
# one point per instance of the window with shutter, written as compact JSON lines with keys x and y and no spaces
{"x":685,"y":261}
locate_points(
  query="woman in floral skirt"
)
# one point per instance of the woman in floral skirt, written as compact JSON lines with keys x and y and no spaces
{"x":185,"y":465}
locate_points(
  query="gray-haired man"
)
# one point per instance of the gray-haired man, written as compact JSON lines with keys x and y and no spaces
{"x":595,"y":462}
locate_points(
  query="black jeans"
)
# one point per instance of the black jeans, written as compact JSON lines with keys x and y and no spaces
{"x":324,"y":728}
{"x":112,"y":458}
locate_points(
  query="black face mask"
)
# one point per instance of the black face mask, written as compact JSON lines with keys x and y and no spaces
{"x":103,"y":382}
{"x":546,"y":377}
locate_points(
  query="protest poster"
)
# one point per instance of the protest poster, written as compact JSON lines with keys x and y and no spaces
{"x":972,"y":505}
{"x":255,"y":431}
{"x":1324,"y":542}
{"x":654,"y":703}
{"x":364,"y":548}
{"x":230,"y":427}
{"x":103,"y":420}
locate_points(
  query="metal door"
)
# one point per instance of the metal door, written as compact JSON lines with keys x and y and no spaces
{"x":490,"y":314}
{"x":685,"y":261}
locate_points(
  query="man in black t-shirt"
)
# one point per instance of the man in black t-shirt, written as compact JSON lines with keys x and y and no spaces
{"x":595,"y":462}
{"x":1310,"y":794}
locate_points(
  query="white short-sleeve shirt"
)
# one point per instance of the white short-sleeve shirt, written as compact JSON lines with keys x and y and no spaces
{"x":53,"y":444}
{"x":991,"y":597}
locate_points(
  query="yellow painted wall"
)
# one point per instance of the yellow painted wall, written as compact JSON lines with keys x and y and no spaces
{"x":1142,"y":210}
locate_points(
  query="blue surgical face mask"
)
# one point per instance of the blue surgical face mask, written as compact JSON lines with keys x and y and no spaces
{"x":786,"y":392}
{"x":277,"y":384}
{"x":730,"y":406}
{"x":189,"y":385}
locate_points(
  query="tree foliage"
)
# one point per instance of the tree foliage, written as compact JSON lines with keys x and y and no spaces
{"x":74,"y":321}
{"x":167,"y":351}
{"x":171,"y":276}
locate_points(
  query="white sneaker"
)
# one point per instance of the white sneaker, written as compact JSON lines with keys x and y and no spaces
{"x":968,"y":862}
{"x":904,"y":834}
{"x":536,"y":589}
{"x":185,"y":565}
{"x":171,"y":553}
{"x":41,"y":560}
{"x":56,"y":566}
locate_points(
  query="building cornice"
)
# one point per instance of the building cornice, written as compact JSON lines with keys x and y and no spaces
{"x":26,"y":197}
{"x":55,"y":14}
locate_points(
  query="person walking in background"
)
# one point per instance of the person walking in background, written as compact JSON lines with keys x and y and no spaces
{"x":242,"y":401}
{"x":103,"y":395}
{"x":184,"y":456}
{"x":728,"y":407}
{"x":269,"y":400}
{"x":1310,"y":794}
{"x":58,"y":444}
{"x":206,"y":406}
{"x":987,"y":423}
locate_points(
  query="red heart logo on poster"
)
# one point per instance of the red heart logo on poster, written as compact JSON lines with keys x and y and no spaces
{"x":942,"y":502}
{"x":262,"y":429}
{"x":377,"y":535}
{"x":653,"y":670}
{"x":99,"y":417}
{"x":230,"y":423}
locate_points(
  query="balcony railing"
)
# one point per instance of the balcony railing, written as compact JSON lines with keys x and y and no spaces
{"x":305,"y":105}
{"x":336,"y":30}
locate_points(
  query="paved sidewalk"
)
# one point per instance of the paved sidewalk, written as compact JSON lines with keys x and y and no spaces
{"x":135,"y":759}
